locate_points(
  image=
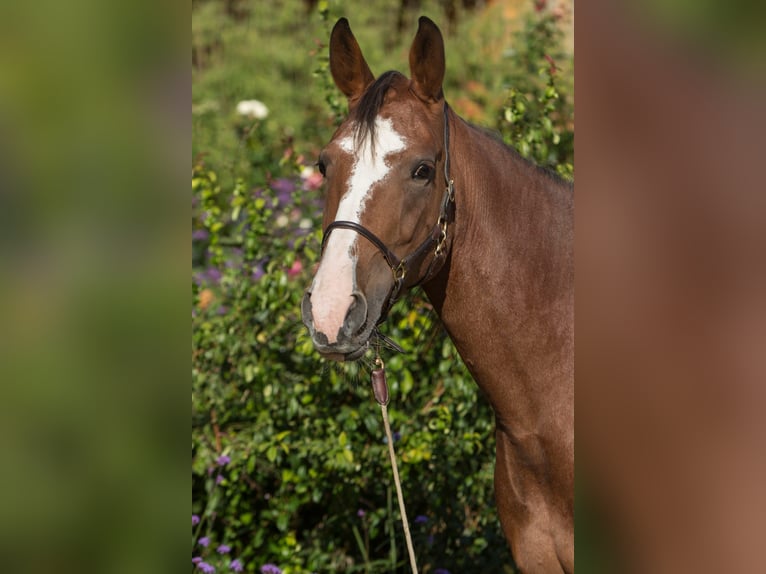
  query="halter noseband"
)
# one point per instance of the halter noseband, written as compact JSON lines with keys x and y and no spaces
{"x":435,"y":241}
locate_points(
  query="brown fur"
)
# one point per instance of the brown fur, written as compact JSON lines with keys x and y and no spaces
{"x":505,"y":292}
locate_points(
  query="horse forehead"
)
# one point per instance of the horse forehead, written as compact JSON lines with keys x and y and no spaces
{"x":388,"y":139}
{"x":363,"y":165}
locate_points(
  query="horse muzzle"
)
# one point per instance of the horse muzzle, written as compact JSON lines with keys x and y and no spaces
{"x":352,"y":338}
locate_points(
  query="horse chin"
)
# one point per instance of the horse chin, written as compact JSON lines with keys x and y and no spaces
{"x":353,"y":355}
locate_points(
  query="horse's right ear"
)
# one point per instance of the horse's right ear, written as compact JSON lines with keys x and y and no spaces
{"x":349,"y":69}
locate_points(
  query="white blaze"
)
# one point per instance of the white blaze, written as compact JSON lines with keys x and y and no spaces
{"x":335,"y":280}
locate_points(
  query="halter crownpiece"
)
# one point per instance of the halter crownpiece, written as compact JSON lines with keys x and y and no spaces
{"x":435,"y":241}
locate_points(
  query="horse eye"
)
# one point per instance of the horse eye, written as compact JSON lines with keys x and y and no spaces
{"x":423,"y":172}
{"x":322,"y":168}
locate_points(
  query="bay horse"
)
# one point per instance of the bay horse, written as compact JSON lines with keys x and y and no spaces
{"x":417,"y":196}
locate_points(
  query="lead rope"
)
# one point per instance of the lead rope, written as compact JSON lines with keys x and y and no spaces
{"x":380,"y":390}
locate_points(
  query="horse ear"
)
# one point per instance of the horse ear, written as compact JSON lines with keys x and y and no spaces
{"x":347,"y":64}
{"x":427,"y":61}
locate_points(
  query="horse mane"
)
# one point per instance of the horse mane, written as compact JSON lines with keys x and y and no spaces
{"x":369,"y":105}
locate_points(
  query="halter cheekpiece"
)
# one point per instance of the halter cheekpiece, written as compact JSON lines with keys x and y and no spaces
{"x":435,"y":241}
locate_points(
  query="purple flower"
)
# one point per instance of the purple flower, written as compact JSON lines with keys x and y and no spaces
{"x":219,"y":479}
{"x":283,"y":185}
{"x":196,"y":559}
{"x":223,"y":460}
{"x":235,"y":565}
{"x":421,"y":519}
{"x":360,"y":513}
{"x":223,"y":549}
{"x":235,"y":259}
{"x":205,"y":567}
{"x":396,"y":436}
{"x":222,"y":310}
{"x":270,"y":569}
{"x":213,"y":275}
{"x":284,"y":188}
{"x":257,"y":272}
{"x":200,"y":235}
{"x":195,"y":519}
{"x":204,"y":541}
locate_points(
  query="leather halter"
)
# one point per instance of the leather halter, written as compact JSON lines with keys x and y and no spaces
{"x":435,"y":242}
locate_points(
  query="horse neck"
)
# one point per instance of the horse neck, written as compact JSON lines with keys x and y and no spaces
{"x":505,"y":294}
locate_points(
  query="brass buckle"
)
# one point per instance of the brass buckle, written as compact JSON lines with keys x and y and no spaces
{"x":400,"y":272}
{"x":442,"y":237}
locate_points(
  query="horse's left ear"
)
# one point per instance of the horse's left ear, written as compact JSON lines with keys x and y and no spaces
{"x":427,"y":61}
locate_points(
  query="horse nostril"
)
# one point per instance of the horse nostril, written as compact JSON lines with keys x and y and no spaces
{"x":356,"y":315}
{"x":306,"y":309}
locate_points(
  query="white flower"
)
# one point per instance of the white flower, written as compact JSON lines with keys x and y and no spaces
{"x":312,"y":179}
{"x":306,"y":172}
{"x":252,"y":109}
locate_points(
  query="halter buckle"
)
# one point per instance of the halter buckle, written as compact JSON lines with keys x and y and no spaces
{"x":400,"y":272}
{"x":448,"y":205}
{"x":442,"y":237}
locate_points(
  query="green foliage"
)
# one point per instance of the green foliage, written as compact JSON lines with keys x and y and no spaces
{"x":538,"y":115}
{"x":334,"y":99}
{"x":308,"y":485}
{"x":289,"y":465}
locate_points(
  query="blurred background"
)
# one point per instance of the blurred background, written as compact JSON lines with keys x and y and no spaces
{"x":670,"y":286}
{"x":94,"y":385}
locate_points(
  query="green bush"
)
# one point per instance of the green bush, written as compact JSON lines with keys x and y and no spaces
{"x":538,"y":116}
{"x":290,"y":471}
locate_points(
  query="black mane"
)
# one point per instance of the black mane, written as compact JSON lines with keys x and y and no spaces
{"x":369,"y":105}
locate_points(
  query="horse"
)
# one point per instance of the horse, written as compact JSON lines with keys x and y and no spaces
{"x":415,"y":195}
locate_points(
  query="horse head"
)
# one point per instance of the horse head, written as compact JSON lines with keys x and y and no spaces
{"x":389,"y":199}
